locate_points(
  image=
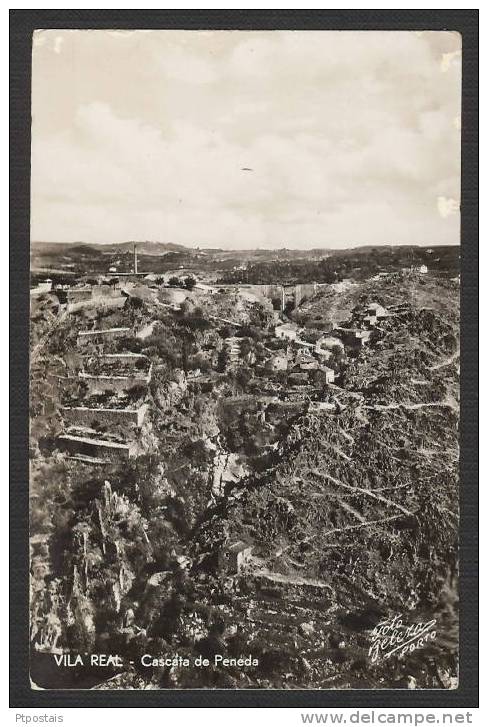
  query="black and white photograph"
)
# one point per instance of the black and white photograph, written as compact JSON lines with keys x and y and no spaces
{"x":244,"y":359}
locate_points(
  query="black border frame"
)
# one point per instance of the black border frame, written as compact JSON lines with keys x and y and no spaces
{"x":22,"y":24}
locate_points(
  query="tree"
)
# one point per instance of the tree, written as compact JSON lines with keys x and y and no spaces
{"x":337,"y":358}
{"x":243,"y":376}
{"x":222,"y":360}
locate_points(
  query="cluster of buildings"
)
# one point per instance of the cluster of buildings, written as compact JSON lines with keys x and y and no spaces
{"x":340,"y":340}
{"x":102,"y":424}
{"x":300,"y":361}
{"x":301,"y":358}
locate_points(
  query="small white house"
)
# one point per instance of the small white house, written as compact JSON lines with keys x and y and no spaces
{"x":370,"y":320}
{"x":377,"y":310}
{"x":329,"y":374}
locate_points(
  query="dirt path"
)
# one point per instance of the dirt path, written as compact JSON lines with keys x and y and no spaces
{"x":402,"y":405}
{"x":227,"y":320}
{"x":289,"y":579}
{"x":356,"y":489}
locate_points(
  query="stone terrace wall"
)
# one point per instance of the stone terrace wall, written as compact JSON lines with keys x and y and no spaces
{"x":99,"y":384}
{"x":124,"y":357}
{"x":86,"y":416}
{"x":100,"y":336}
{"x":95,"y":447}
{"x":100,"y":302}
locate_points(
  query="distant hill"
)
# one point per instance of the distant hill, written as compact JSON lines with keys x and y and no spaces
{"x":146,"y":247}
{"x":237,"y":266}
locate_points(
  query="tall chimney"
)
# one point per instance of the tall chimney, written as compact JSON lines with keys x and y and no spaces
{"x":135,"y":258}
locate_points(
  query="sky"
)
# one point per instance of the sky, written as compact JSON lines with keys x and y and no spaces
{"x":239,"y":139}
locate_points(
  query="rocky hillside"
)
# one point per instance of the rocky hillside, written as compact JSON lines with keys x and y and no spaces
{"x":351,"y":510}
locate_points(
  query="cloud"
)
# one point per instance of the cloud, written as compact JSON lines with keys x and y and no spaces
{"x":447,"y":207}
{"x":351,"y":138}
